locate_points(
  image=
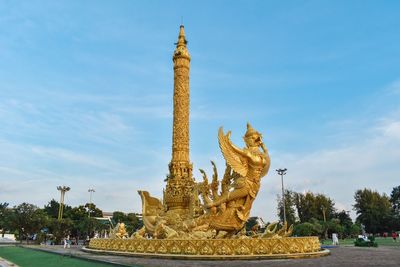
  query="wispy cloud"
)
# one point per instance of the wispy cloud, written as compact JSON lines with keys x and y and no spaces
{"x":370,"y":162}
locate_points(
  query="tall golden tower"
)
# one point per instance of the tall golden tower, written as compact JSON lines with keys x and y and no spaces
{"x":180,"y":183}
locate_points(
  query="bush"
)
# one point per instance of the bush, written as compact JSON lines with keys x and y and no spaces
{"x":307,"y":229}
{"x":40,"y":237}
{"x":360,"y":242}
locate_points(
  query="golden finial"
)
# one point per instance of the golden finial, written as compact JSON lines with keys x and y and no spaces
{"x":181,"y":49}
{"x":181,"y":38}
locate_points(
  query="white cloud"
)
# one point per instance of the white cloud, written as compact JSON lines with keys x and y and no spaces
{"x":371,"y":162}
{"x":391,"y":130}
{"x":32,"y":173}
{"x":338,"y":172}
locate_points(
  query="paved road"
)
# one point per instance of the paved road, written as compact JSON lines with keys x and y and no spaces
{"x":340,"y":256}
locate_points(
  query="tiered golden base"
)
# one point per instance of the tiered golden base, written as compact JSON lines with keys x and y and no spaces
{"x":272,"y":248}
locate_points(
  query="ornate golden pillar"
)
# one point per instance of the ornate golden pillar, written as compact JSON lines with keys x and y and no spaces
{"x":180,"y":183}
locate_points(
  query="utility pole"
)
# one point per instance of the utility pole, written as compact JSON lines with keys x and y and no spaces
{"x":282,"y":172}
{"x":62,"y":190}
{"x":91,"y":191}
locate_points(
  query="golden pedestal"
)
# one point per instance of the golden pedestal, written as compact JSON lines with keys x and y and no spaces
{"x":216,"y":249}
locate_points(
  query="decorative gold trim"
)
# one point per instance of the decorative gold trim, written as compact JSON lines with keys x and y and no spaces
{"x":256,"y":248}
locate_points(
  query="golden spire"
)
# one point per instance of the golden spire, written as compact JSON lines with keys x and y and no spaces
{"x":181,"y":49}
{"x":181,"y":38}
{"x":180,"y":183}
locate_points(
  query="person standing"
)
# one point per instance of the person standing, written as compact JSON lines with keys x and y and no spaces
{"x":67,"y":242}
{"x":335,"y":239}
{"x":394,"y":236}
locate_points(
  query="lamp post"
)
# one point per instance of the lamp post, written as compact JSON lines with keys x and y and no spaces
{"x":282,"y":172}
{"x":62,"y":190}
{"x":91,"y":191}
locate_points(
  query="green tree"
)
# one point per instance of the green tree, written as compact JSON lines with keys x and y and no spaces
{"x":119,"y":216}
{"x":250,"y":223}
{"x":311,"y":206}
{"x":93,"y":210}
{"x":345,"y":221}
{"x":77,"y":213}
{"x":373,"y":210}
{"x":308,"y":229}
{"x":60,"y":228}
{"x":52,"y":208}
{"x":133,"y":223}
{"x":395,"y":200}
{"x":83,"y":225}
{"x":334,"y":226}
{"x":5,"y":214}
{"x":355,"y":230}
{"x":28,"y":220}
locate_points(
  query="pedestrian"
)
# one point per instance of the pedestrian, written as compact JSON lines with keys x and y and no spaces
{"x":67,"y":242}
{"x":394,"y":236}
{"x":335,"y":239}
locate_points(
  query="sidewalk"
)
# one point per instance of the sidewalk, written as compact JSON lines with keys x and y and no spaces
{"x":5,"y":263}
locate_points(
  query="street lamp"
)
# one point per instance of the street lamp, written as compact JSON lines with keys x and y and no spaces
{"x":282,"y":172}
{"x":62,"y":190}
{"x":91,"y":191}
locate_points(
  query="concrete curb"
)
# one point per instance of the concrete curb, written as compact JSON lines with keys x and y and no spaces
{"x":7,"y":263}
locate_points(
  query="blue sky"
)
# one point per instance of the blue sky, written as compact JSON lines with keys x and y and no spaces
{"x":86,"y":95}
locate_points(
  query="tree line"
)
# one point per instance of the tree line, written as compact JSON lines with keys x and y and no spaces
{"x":28,"y":221}
{"x":310,"y":213}
{"x":315,"y":214}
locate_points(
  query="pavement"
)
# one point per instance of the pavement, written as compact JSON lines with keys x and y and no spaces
{"x":7,"y":241}
{"x":340,"y":256}
{"x":6,"y":263}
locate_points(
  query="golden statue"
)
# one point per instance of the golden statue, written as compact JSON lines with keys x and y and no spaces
{"x":245,"y":168}
{"x":207,"y":219}
{"x":119,"y":231}
{"x":227,"y":211}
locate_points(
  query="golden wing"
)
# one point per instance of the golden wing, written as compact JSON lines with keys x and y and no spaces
{"x":232,"y":154}
{"x":265,"y":169}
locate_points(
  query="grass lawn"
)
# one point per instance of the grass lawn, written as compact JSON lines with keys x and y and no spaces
{"x":32,"y":258}
{"x":380,"y":240}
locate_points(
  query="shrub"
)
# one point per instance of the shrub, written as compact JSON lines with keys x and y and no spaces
{"x":360,"y":242}
{"x":307,"y":229}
